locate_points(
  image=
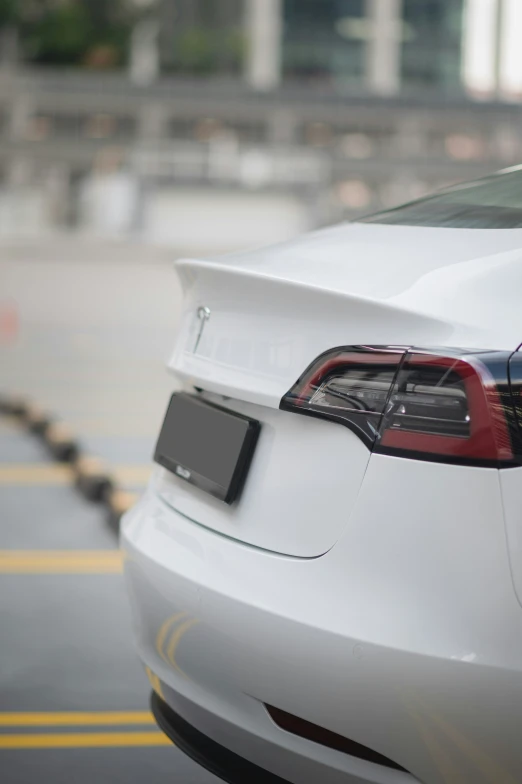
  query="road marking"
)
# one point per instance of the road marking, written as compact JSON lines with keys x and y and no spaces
{"x":61,"y":562}
{"x":75,"y":740}
{"x":33,"y":474}
{"x":75,"y":718}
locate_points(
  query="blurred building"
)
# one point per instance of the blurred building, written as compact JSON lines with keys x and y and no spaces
{"x":285,"y":113}
{"x":454,"y":47}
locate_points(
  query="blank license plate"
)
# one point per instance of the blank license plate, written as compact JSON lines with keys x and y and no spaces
{"x":207,"y":445}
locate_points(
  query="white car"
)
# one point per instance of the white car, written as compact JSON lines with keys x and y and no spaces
{"x":325,"y":571}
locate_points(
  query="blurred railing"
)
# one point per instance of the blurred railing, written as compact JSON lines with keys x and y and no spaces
{"x":338,"y":155}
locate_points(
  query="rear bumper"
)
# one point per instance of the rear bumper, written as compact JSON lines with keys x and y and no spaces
{"x":405,"y":637}
{"x":210,"y":755}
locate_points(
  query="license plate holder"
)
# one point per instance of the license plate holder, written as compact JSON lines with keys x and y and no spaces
{"x":207,"y":445}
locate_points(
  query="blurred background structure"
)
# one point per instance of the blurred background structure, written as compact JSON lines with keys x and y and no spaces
{"x":205,"y":124}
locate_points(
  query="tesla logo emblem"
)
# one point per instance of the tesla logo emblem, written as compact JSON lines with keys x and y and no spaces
{"x":203,"y":314}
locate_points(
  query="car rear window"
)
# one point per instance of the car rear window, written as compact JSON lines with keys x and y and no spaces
{"x":491,"y":203}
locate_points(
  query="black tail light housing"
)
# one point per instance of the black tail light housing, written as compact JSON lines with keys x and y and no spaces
{"x":447,"y":405}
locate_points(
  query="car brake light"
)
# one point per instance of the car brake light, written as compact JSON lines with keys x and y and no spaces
{"x":453,"y":406}
{"x":446,"y":406}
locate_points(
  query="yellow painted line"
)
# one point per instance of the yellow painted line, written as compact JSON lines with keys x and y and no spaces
{"x":76,"y":740}
{"x":61,"y":561}
{"x":32,"y":474}
{"x":75,"y":718}
{"x":35,"y":474}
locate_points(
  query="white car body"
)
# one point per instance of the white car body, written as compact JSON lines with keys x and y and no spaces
{"x":375,"y":596}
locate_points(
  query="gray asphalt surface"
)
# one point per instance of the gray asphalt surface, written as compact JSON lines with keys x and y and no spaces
{"x":94,"y":324}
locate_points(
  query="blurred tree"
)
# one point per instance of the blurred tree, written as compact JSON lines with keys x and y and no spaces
{"x":202,"y":36}
{"x":202,"y":51}
{"x":71,"y":32}
{"x":8,"y":12}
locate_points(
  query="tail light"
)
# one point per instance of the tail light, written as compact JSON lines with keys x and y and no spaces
{"x":454,"y":406}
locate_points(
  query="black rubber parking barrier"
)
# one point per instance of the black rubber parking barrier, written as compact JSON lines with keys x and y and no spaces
{"x":36,"y":419}
{"x":13,"y":405}
{"x":61,"y":442}
{"x":93,"y":478}
{"x":90,"y":475}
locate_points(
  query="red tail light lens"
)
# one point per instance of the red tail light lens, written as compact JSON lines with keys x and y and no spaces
{"x":454,"y":407}
{"x":446,"y":406}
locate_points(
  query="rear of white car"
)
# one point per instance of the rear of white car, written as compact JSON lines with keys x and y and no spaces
{"x":341,"y":605}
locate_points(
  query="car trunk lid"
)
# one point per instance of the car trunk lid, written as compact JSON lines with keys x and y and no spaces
{"x":252,"y":323}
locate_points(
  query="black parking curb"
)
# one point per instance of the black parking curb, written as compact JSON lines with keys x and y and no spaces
{"x":13,"y":405}
{"x":61,"y":443}
{"x":90,"y":475}
{"x":35,"y":419}
{"x":92,"y":478}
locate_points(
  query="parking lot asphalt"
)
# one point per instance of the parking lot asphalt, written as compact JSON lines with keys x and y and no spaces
{"x":73,"y":695}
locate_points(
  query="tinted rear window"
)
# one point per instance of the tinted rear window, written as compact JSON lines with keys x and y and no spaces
{"x":492,"y":203}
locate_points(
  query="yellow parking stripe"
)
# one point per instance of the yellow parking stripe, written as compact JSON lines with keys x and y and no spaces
{"x":74,"y":740}
{"x":75,"y":718}
{"x":27,"y":474}
{"x":61,"y":561}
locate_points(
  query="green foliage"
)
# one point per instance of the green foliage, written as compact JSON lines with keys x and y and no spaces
{"x":96,"y":33}
{"x":70,"y":32}
{"x":201,"y":50}
{"x":8,"y":12}
{"x":63,"y":35}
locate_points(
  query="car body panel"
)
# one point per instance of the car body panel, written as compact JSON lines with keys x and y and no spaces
{"x":511,"y":484}
{"x":404,"y":637}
